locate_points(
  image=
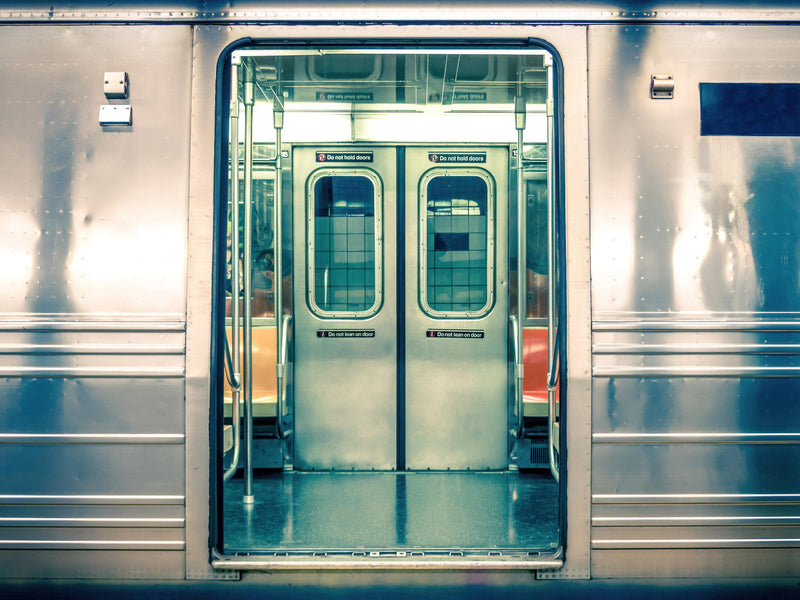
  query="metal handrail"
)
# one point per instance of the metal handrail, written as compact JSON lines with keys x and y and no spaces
{"x":280,"y":372}
{"x":281,"y":321}
{"x":249,"y":101}
{"x":235,"y":384}
{"x":552,"y":331}
{"x":234,"y":378}
{"x":520,"y":121}
{"x":519,"y":375}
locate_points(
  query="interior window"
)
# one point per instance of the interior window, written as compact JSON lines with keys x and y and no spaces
{"x":342,"y":265}
{"x":456,"y":274}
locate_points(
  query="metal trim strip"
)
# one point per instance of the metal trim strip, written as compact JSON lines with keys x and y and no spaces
{"x":74,"y":349}
{"x":92,"y":438}
{"x":692,"y":371}
{"x":110,"y":372}
{"x":400,"y":247}
{"x":324,"y":563}
{"x":92,"y":545}
{"x":153,"y":522}
{"x":696,"y":325}
{"x":696,"y":438}
{"x":693,"y":521}
{"x":407,"y":12}
{"x":698,"y":543}
{"x":116,"y":325}
{"x":684,"y":348}
{"x":694,"y":498}
{"x":80,"y":500}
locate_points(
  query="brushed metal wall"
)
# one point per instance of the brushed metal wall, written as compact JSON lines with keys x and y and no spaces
{"x":92,"y":322}
{"x":696,"y":309}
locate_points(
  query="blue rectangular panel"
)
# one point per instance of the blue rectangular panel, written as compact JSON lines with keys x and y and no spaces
{"x":771,"y":109}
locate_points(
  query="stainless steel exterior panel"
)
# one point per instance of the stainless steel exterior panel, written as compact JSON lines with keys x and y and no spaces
{"x":698,"y":562}
{"x":92,"y":327}
{"x":718,"y":467}
{"x":92,"y":407}
{"x":683,"y":222}
{"x":695,"y":280}
{"x":94,"y":220}
{"x":107,"y":469}
{"x":93,"y":564}
{"x":699,"y":406}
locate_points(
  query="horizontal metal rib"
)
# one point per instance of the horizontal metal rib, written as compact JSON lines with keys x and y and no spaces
{"x":90,"y":324}
{"x":155,"y":522}
{"x":91,"y":438}
{"x":39,"y":499}
{"x":688,"y":348}
{"x":695,"y":498}
{"x":694,"y":371}
{"x":108,"y":372}
{"x":691,"y":326}
{"x":696,"y":438}
{"x":103,"y":349}
{"x":692,"y":521}
{"x":91,"y":545}
{"x":699,"y":543}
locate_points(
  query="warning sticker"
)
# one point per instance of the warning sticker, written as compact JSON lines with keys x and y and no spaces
{"x":460,"y":334}
{"x":456,"y":157}
{"x":345,"y":333}
{"x":469,"y":96}
{"x":344,"y":96}
{"x":334,"y":157}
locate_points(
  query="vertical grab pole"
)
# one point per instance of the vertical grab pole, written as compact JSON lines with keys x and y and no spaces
{"x":552,"y":344}
{"x":249,"y":101}
{"x":235,"y":275}
{"x":520,"y":123}
{"x":280,"y":365}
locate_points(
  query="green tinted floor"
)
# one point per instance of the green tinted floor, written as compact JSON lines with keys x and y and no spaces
{"x":447,"y":511}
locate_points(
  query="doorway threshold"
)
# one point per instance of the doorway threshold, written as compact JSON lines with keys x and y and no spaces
{"x":392,"y":520}
{"x":389,"y":561}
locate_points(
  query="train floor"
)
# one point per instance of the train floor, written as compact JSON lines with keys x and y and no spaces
{"x":476,"y":512}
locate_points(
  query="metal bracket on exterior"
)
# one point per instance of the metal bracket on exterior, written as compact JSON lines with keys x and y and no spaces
{"x":662,"y":87}
{"x":116,"y":114}
{"x":115,"y":84}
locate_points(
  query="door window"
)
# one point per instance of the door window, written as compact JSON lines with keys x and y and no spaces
{"x":457,"y":242}
{"x":344,"y":262}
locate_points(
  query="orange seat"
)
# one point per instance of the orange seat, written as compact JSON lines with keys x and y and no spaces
{"x":534,"y":385}
{"x":265,"y":383}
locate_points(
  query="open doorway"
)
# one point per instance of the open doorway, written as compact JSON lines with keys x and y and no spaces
{"x":394,"y":376}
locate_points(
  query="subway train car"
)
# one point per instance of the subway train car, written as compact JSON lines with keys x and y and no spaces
{"x":399,"y":288}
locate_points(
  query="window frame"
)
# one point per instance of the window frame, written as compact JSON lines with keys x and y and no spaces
{"x":377,"y":184}
{"x":422,"y":266}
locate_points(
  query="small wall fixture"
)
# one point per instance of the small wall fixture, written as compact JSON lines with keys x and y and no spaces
{"x":115,"y":84}
{"x":115,"y":87}
{"x":662,"y":86}
{"x":116,"y":114}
